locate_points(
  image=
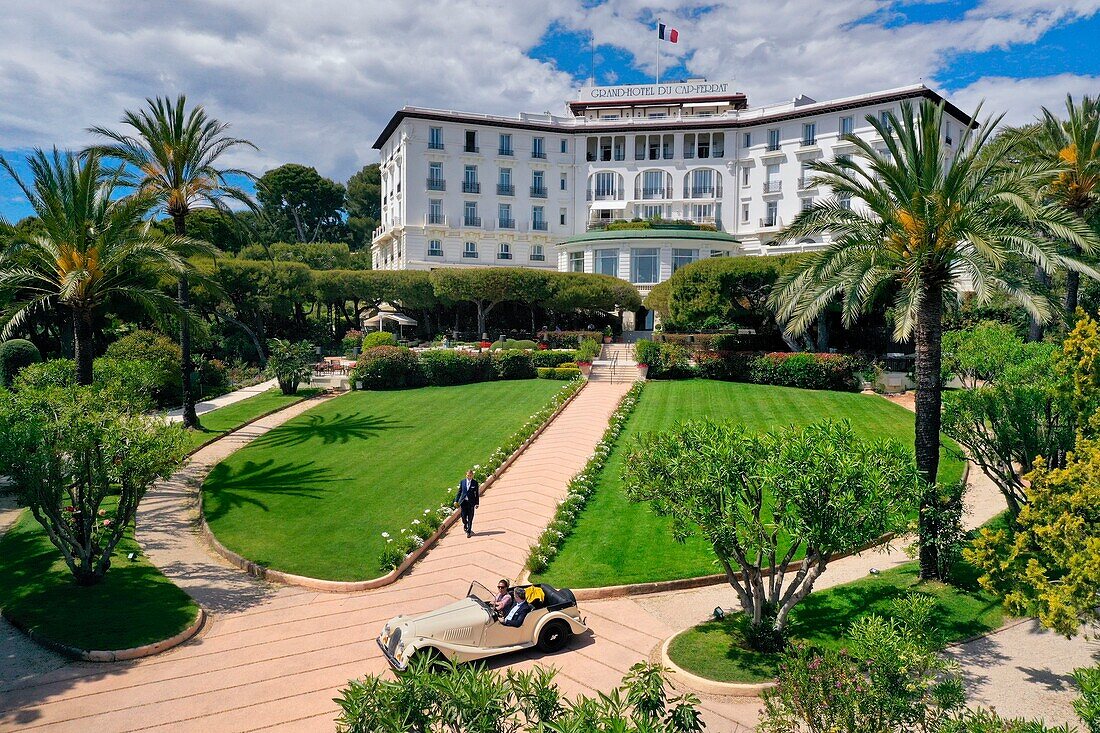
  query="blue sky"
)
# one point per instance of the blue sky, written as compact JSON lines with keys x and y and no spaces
{"x":314,"y":82}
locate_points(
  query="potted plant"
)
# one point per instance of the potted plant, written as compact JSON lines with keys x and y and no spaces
{"x":585,"y":367}
{"x":643,"y":371}
{"x":607,"y":334}
{"x":543,"y":346}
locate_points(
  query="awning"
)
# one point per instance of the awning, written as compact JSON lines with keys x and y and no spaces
{"x":393,"y":317}
{"x":612,"y":205}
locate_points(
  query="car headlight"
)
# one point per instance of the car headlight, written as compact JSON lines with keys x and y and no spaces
{"x":400,"y":649}
{"x":386,"y":633}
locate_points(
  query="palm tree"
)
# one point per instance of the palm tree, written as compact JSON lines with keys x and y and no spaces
{"x":175,"y":152}
{"x":933,"y":219}
{"x":1072,"y":148}
{"x":91,"y":246}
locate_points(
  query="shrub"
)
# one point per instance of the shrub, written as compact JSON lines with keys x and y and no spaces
{"x":589,"y":350}
{"x":672,"y":361}
{"x":805,"y":370}
{"x":214,"y":375}
{"x":14,"y":356}
{"x":552,"y":358}
{"x":513,"y":364}
{"x":645,"y":351}
{"x":131,"y":381}
{"x":379,"y":338}
{"x":161,"y":353}
{"x":522,"y":344}
{"x":1087,"y":704}
{"x":724,"y":342}
{"x":563,"y":373}
{"x":445,"y":367}
{"x":46,"y":374}
{"x":388,"y":367}
{"x":290,"y":363}
{"x":352,"y":340}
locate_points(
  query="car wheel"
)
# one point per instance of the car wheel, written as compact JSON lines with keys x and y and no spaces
{"x":430,"y":657}
{"x":554,"y":636}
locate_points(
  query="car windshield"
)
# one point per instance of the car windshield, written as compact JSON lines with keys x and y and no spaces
{"x":481,"y":594}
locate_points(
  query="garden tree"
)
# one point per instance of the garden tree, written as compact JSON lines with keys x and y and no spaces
{"x":1070,"y":150}
{"x":160,"y":353}
{"x":1048,"y":565}
{"x":226,"y":231}
{"x":302,"y":205}
{"x":465,"y":698}
{"x":589,"y":291}
{"x":265,"y":298}
{"x":719,"y":291}
{"x":318,"y":255}
{"x":174,"y":152}
{"x":291,"y":363}
{"x":981,"y":353}
{"x":368,"y":289}
{"x":93,"y":247}
{"x":1022,"y":413}
{"x":364,"y":203}
{"x":761,"y":500}
{"x":1080,"y":368}
{"x":930,"y":215}
{"x":657,"y":300}
{"x":81,"y":463}
{"x":487,"y":287}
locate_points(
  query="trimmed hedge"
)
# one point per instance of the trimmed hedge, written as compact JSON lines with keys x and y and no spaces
{"x":513,"y":364}
{"x":562,"y":372}
{"x":805,"y":370}
{"x":513,"y":344}
{"x":446,"y":367}
{"x":393,"y":367}
{"x":15,"y":355}
{"x":379,"y":338}
{"x":552,"y":358}
{"x":388,"y":367}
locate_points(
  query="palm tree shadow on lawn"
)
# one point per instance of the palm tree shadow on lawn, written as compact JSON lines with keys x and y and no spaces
{"x":330,"y":430}
{"x":227,"y":489}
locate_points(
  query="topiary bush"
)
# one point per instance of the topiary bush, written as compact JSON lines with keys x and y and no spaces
{"x":563,"y":373}
{"x":379,"y":338}
{"x":806,"y":370}
{"x":162,"y":354}
{"x":388,"y":367}
{"x":552,"y":358}
{"x":14,"y":356}
{"x":445,"y":367}
{"x":513,"y":364}
{"x":513,"y":344}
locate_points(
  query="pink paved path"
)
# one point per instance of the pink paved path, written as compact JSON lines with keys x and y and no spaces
{"x":273,"y":657}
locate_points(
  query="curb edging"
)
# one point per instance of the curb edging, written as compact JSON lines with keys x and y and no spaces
{"x":118,"y":655}
{"x":711,"y":687}
{"x":354,"y":586}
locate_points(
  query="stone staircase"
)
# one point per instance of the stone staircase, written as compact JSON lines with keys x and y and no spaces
{"x":616,"y":364}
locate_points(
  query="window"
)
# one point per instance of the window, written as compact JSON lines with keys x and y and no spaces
{"x":807,"y":203}
{"x":435,"y":248}
{"x":668,"y":146}
{"x":847,"y":124}
{"x":538,"y":218}
{"x":470,"y":250}
{"x":607,"y":262}
{"x":772,"y":182}
{"x":745,"y":176}
{"x":593,"y":147}
{"x":653,"y":185}
{"x":537,"y":254}
{"x":435,"y":211}
{"x":563,"y":182}
{"x":654,"y":147}
{"x":504,"y":251}
{"x":504,"y":216}
{"x":504,"y":183}
{"x":639,"y":147}
{"x":562,"y":214}
{"x":703,"y":183}
{"x":947,"y":133}
{"x":538,"y":183}
{"x":470,"y":217}
{"x":435,"y":138}
{"x":435,"y":177}
{"x":576,"y":262}
{"x":845,"y":200}
{"x":538,"y":147}
{"x":651,"y":211}
{"x":644,"y":265}
{"x":505,"y":144}
{"x":564,"y":149}
{"x":620,"y":148}
{"x":884,"y":120}
{"x":718,"y":145}
{"x":471,"y":141}
{"x":469,"y":180}
{"x":773,"y":139}
{"x":681,"y":257}
{"x":689,"y":146}
{"x":809,"y":134}
{"x":746,"y":140}
{"x":605,"y":185}
{"x":704,"y":145}
{"x":702,"y":213}
{"x":771,"y":218}
{"x":744,"y":213}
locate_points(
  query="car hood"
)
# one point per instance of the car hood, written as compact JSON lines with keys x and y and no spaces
{"x":456,"y":622}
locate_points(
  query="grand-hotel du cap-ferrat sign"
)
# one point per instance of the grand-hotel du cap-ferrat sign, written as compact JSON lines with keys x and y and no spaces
{"x":680,"y":89}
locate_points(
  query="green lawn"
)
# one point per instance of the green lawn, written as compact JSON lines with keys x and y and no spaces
{"x":134,"y":605}
{"x":217,"y":423}
{"x":716,"y":649}
{"x":313,"y":496}
{"x":617,"y":542}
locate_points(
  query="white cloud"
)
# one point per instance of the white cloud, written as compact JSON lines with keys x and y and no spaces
{"x":315,"y":81}
{"x":1022,"y":98}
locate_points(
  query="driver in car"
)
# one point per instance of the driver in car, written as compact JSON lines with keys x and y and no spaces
{"x":503,"y":598}
{"x":519,"y":610}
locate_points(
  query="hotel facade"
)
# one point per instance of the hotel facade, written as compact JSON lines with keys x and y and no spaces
{"x":537,"y":190}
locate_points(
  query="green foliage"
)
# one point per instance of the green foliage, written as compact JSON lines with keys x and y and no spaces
{"x":66,"y":451}
{"x":1048,"y":565}
{"x":727,"y":290}
{"x":290,"y":363}
{"x":131,"y":382}
{"x":671,"y":361}
{"x":588,"y":350}
{"x":388,"y":367}
{"x":161,"y":353}
{"x":646,"y":351}
{"x":302,"y":205}
{"x":450,"y":697}
{"x":942,"y":511}
{"x":15,"y":354}
{"x":445,"y":367}
{"x":807,"y":371}
{"x":316,"y":255}
{"x":54,"y":373}
{"x":513,"y":344}
{"x":352,"y":340}
{"x":513,"y":364}
{"x":822,"y":487}
{"x":1080,"y":366}
{"x":552,"y":358}
{"x":563,"y":373}
{"x":364,"y":203}
{"x":1087,"y":705}
{"x":987,"y":721}
{"x":658,"y":299}
{"x":589,"y":291}
{"x":981,"y":353}
{"x":379,"y":338}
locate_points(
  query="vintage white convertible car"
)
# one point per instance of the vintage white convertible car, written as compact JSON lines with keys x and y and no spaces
{"x":471,"y":629}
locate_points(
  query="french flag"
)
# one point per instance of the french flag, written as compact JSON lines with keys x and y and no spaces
{"x":667,"y":34}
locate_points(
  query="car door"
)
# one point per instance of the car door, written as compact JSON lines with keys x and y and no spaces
{"x":497,"y":635}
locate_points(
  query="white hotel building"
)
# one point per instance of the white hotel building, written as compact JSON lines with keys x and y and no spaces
{"x":467,"y":189}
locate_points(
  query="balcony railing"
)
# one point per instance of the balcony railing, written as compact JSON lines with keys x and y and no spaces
{"x":806,"y":182}
{"x":538,"y":258}
{"x":433,"y":145}
{"x":437,"y":184}
{"x":506,"y":223}
{"x":702,"y":192}
{"x":505,"y":151}
{"x":468,"y":253}
{"x":471,"y":221}
{"x":605,"y":195}
{"x":506,"y":189}
{"x":437,"y":220}
{"x":773,"y":186}
{"x":538,"y":192}
{"x":809,"y":142}
{"x":773,"y":147}
{"x":471,"y":187}
{"x":538,"y":154}
{"x":539,"y":226}
{"x":770,"y":222}
{"x":471,"y":149}
{"x":650,"y":192}
{"x":504,"y":255}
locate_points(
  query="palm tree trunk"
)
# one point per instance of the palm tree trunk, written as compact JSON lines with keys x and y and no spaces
{"x":1073,"y":287}
{"x":190,"y":417}
{"x":82,"y":346}
{"x":1035,"y":331}
{"x":929,"y":333}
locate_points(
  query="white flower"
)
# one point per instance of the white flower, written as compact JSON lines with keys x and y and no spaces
{"x":386,"y":534}
{"x":416,"y":521}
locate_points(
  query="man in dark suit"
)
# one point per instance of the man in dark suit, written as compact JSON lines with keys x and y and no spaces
{"x":467,"y":500}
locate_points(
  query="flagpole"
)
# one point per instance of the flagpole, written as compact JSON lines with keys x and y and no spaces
{"x":658,"y":51}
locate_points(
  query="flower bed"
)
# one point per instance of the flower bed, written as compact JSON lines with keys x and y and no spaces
{"x":407,"y":540}
{"x":581,"y":487}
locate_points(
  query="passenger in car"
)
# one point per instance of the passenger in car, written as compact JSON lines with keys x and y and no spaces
{"x":503,"y":598}
{"x":519,"y":610}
